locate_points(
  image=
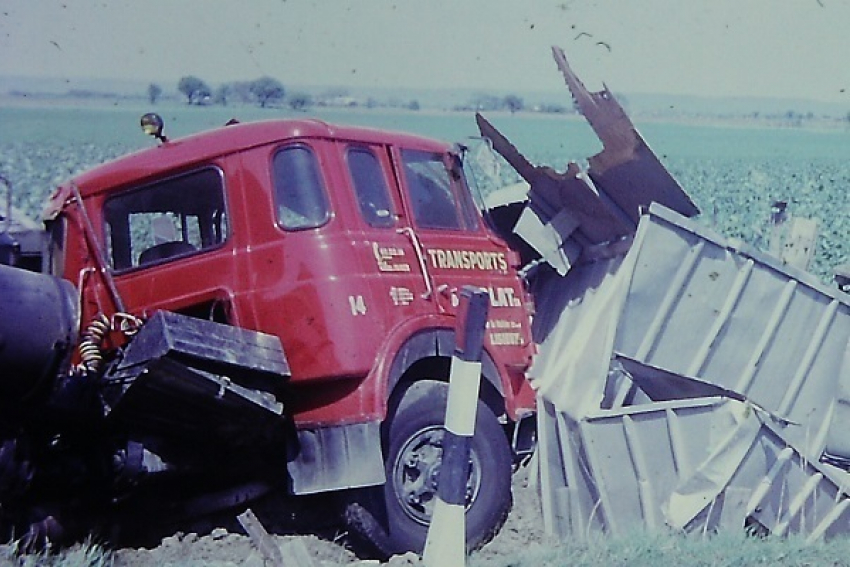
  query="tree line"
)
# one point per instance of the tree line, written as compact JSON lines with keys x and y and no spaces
{"x":264,"y":91}
{"x":268,"y":91}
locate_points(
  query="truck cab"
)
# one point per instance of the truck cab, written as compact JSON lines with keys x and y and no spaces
{"x":349,"y":244}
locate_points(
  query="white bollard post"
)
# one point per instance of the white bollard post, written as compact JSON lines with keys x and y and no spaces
{"x":445,"y":545}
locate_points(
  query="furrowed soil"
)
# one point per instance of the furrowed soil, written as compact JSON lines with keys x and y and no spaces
{"x":522,"y":532}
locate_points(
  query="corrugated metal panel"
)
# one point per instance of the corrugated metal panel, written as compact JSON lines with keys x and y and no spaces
{"x":700,"y":307}
{"x":837,"y":442}
{"x":641,"y":456}
{"x":569,"y":494}
{"x":699,"y":465}
{"x":574,"y":325}
{"x":686,"y":314}
{"x":687,"y":301}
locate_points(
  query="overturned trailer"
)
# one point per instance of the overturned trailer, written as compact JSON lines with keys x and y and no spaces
{"x":684,"y":381}
{"x":681,"y":319}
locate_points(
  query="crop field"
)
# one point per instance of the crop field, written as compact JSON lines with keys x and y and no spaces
{"x":734,"y":174}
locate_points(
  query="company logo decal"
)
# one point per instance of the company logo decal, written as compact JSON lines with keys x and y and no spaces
{"x":387,"y":258}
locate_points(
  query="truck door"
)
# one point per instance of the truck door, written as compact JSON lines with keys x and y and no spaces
{"x":392,"y":256}
{"x":458,"y":250}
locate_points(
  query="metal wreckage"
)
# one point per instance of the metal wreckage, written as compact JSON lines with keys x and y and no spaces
{"x":684,"y":381}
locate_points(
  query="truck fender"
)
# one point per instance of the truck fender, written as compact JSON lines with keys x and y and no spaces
{"x":350,"y":455}
{"x":440,"y":342}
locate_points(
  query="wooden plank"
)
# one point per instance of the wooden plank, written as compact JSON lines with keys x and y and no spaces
{"x":294,"y":553}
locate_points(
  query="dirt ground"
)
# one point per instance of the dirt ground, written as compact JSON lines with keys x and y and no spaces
{"x":522,"y":530}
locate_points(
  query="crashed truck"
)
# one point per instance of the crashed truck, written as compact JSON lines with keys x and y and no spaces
{"x":259,"y":315}
{"x":685,"y":381}
{"x":197,"y":346}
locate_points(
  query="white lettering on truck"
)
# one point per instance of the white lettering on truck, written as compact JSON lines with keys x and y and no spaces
{"x":468,"y":260}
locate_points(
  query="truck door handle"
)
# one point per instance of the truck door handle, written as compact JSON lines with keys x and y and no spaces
{"x":420,"y":257}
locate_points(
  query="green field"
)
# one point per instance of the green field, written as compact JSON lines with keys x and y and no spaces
{"x":734,"y":174}
{"x":663,"y":550}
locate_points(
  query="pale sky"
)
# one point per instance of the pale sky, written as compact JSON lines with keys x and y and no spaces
{"x":782,"y":48}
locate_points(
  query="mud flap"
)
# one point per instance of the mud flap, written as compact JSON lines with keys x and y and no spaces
{"x":336,"y":458}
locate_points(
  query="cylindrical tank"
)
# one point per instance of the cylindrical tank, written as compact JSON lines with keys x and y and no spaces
{"x":39,"y":319}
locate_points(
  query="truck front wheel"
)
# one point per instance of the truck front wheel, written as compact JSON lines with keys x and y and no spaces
{"x":394,"y":518}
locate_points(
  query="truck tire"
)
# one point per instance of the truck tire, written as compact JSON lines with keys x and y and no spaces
{"x":394,"y":518}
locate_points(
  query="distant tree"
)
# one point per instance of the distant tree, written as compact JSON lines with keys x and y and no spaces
{"x":194,"y":89}
{"x":241,"y":92}
{"x":486,"y":102}
{"x":300,"y":101}
{"x":513,"y":103}
{"x":222,"y":94}
{"x":154,"y":92}
{"x":266,"y":90}
{"x":794,"y":118}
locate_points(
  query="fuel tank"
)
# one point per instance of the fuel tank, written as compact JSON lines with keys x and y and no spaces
{"x":39,"y":322}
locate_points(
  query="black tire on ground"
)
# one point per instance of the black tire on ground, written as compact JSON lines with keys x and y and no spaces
{"x":393,"y":518}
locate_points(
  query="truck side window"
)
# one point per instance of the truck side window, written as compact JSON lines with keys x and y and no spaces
{"x":370,"y":185}
{"x":299,"y":192}
{"x":167,"y":219}
{"x":430,"y":190}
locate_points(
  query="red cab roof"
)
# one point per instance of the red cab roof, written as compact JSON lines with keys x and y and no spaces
{"x":202,"y":147}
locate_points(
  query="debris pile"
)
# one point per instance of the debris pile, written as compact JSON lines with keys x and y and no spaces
{"x":696,"y":385}
{"x":685,"y":381}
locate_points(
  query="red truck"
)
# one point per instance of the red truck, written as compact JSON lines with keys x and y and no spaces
{"x":262,"y":309}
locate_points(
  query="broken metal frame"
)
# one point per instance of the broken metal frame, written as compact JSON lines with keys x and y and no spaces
{"x":684,"y":381}
{"x":682,"y":318}
{"x":696,"y":465}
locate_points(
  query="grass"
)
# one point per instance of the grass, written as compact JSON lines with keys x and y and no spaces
{"x":726,"y":549}
{"x":652,"y":550}
{"x":81,"y":555}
